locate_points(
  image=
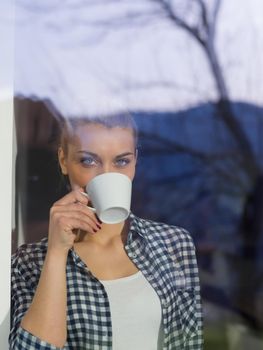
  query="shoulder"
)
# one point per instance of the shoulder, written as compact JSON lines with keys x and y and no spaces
{"x":170,"y":234}
{"x":30,"y":256}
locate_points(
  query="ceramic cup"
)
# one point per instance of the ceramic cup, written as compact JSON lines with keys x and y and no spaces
{"x":110,"y":195}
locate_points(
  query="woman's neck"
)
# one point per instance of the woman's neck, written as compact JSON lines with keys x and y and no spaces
{"x":109,"y":233}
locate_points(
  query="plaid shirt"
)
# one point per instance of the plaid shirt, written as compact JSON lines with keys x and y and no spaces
{"x":164,"y":254}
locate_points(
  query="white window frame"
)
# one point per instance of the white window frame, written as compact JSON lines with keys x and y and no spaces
{"x":7,"y":159}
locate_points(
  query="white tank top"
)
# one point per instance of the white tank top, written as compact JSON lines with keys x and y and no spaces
{"x":136,"y":313}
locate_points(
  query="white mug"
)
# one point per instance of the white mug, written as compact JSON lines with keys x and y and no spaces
{"x":110,"y":195}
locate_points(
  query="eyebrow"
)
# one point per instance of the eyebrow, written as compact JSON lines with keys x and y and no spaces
{"x":125,"y":154}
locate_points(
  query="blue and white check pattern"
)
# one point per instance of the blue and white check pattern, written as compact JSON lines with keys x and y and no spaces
{"x":164,"y":254}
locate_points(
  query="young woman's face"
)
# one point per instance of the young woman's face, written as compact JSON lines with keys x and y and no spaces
{"x":96,"y":149}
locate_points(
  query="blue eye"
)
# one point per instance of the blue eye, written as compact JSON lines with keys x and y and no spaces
{"x":122,"y":162}
{"x":88,"y":161}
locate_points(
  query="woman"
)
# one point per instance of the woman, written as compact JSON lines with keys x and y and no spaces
{"x":91,"y":285}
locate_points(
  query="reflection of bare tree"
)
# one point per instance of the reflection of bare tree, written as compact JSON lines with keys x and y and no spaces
{"x":203,"y":30}
{"x":198,"y":18}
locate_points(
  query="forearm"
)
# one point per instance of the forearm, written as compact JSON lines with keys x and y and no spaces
{"x":46,"y":317}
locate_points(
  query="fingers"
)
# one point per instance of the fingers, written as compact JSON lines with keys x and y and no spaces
{"x":76,"y":211}
{"x":73,"y":197}
{"x":69,"y":214}
{"x":74,"y":222}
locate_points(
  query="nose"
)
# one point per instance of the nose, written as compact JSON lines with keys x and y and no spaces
{"x":107,"y":168}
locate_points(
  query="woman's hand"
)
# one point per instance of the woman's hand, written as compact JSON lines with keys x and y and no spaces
{"x":68,"y":214}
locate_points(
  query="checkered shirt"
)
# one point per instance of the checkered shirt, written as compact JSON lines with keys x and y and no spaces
{"x":164,"y":254}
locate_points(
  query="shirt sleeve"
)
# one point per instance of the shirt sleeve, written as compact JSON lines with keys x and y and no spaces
{"x":194,"y":338}
{"x":24,"y":279}
{"x":25,"y":340}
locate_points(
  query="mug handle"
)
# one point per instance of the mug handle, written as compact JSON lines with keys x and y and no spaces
{"x":85,"y":194}
{"x":93,"y":209}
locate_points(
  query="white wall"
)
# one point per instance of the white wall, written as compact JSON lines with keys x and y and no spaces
{"x":6,"y":162}
{"x":6,"y":140}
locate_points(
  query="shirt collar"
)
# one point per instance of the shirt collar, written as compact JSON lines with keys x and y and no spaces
{"x":137,"y":226}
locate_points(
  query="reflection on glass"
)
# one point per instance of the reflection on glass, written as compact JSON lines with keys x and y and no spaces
{"x":198,"y":109}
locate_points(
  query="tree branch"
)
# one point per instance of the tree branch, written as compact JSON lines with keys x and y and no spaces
{"x":204,"y":15}
{"x":212,"y":23}
{"x":181,"y":23}
{"x":130,"y":18}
